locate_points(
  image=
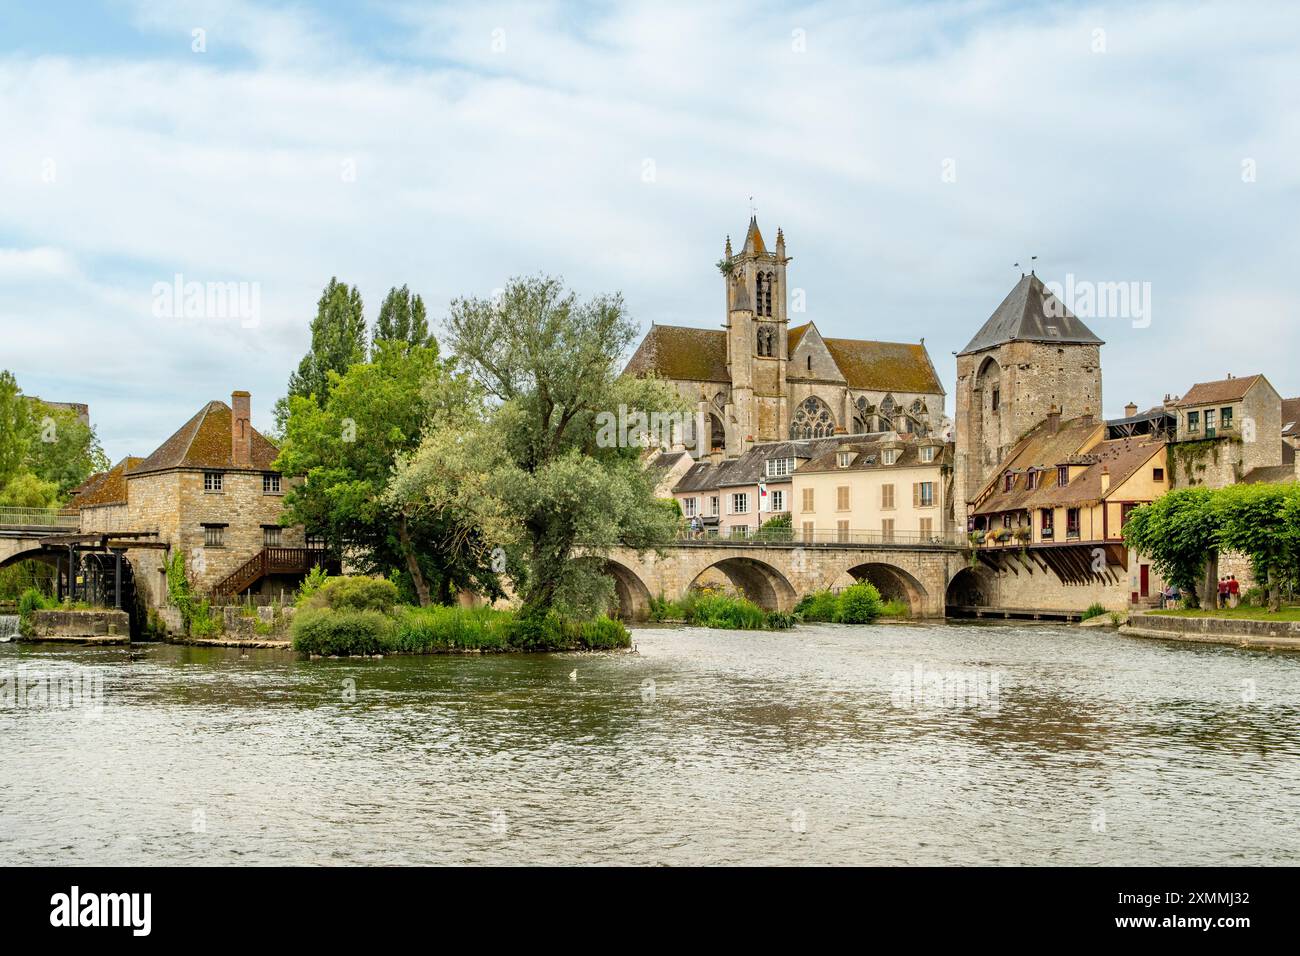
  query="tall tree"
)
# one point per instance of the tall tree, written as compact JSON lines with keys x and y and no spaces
{"x":347,"y":449}
{"x":15,"y":428}
{"x":1179,"y":532}
{"x":45,"y":451}
{"x":1263,"y":522}
{"x":338,"y":341}
{"x":549,"y":494}
{"x":402,"y":319}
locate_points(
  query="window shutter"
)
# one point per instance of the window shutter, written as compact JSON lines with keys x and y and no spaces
{"x":916,"y":494}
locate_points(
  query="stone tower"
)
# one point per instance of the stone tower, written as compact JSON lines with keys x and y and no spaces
{"x":757,"y":347}
{"x":1031,"y":356}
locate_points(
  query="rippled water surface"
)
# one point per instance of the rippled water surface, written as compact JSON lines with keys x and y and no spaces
{"x":702,"y":747}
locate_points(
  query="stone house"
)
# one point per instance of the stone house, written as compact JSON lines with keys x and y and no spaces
{"x":890,"y":488}
{"x":1230,"y":431}
{"x":757,"y":380}
{"x":211,"y":492}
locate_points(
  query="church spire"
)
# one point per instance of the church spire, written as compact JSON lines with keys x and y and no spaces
{"x":754,"y":239}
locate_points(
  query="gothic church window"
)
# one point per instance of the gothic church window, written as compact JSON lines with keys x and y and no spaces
{"x":812,"y":419}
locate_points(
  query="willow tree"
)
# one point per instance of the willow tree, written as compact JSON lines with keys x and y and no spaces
{"x":551,"y":492}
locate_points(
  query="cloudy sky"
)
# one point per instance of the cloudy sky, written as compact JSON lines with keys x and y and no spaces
{"x":911,"y":152}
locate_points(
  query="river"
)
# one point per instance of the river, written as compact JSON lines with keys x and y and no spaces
{"x":1058,"y":745}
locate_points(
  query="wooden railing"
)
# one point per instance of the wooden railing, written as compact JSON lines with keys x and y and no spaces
{"x":269,"y":561}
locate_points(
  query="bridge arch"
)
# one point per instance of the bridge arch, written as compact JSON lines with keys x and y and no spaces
{"x":969,"y":587}
{"x":632,"y":593}
{"x":45,"y":555}
{"x":759,"y":581}
{"x":893,"y":583}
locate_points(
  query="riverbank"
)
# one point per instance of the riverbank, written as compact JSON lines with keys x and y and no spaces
{"x":1250,"y":632}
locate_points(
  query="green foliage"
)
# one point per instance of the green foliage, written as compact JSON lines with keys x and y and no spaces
{"x":311,"y":583}
{"x":819,"y":606}
{"x":536,"y":468}
{"x":726,"y":611}
{"x":338,"y":341}
{"x":327,"y":633}
{"x":348,"y":446}
{"x":33,"y":600}
{"x":402,"y":319}
{"x":355,"y":594}
{"x":196,"y":615}
{"x":859,"y":604}
{"x":45,"y":451}
{"x":1093,"y":610}
{"x":21,"y":575}
{"x":1179,"y":533}
{"x":896,"y":607}
{"x":431,"y":629}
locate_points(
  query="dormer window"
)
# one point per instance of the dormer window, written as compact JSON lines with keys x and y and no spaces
{"x":1031,"y":480}
{"x":845,"y":459}
{"x":1063,"y":475}
{"x":779,"y":467}
{"x":889,"y":456}
{"x":1007,"y":481}
{"x":927,"y":453}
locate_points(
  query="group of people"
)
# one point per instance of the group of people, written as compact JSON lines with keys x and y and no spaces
{"x":1229,"y":591}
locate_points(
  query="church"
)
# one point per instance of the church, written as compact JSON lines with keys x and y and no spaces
{"x":757,"y":379}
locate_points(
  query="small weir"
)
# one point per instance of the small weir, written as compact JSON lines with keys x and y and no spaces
{"x":8,"y":627}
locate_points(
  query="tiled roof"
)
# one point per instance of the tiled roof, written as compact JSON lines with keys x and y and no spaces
{"x":749,"y":467}
{"x":204,"y":442}
{"x":1030,"y":313}
{"x":885,"y":366}
{"x":678,"y":352}
{"x":869,"y":455}
{"x":1290,"y":417}
{"x":754,"y":238}
{"x":111,"y":488}
{"x":1224,"y":390}
{"x":795,"y":336}
{"x":1040,"y":449}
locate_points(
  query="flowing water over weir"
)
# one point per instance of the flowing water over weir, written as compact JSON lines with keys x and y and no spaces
{"x":991,"y":743}
{"x":8,"y":627}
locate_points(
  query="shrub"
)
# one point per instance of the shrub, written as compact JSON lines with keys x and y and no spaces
{"x":859,"y":604}
{"x":896,"y":607}
{"x":818,"y":606}
{"x":601,"y":633}
{"x":345,"y":632}
{"x":355,"y":594}
{"x":1255,"y":597}
{"x":1094,"y":610}
{"x":33,"y":600}
{"x":420,"y":630}
{"x":780,"y":620}
{"x":312,"y":583}
{"x":726,"y":611}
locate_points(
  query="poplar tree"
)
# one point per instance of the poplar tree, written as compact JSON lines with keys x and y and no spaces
{"x":338,"y":341}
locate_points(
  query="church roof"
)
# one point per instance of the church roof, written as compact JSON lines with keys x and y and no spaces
{"x":1031,"y":313}
{"x":891,"y":366}
{"x":678,"y":352}
{"x":754,"y":238}
{"x":204,"y":442}
{"x":795,"y":335}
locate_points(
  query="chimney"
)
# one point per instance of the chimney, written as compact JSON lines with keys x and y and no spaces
{"x":1105,"y":478}
{"x":1130,"y":410}
{"x":1053,"y":420}
{"x":241,"y":430}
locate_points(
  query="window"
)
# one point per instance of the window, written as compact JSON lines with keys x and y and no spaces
{"x":1031,"y":479}
{"x":842,"y":531}
{"x":1006,"y":521}
{"x":1063,"y":475}
{"x":212,"y":481}
{"x":889,"y":456}
{"x":740,"y":531}
{"x":807,"y":499}
{"x":842,"y":498}
{"x":689,"y":506}
{"x":214,"y":536}
{"x":845,"y":459}
{"x":316,"y":542}
{"x":812,"y":419}
{"x":1157,"y":474}
{"x":887,"y":529}
{"x":271,"y":535}
{"x":714,"y":506}
{"x":1125,"y":510}
{"x":270,"y":484}
{"x":1193,"y":421}
{"x":740,"y":503}
{"x":1007,"y":481}
{"x":779,"y":467}
{"x":1225,"y":418}
{"x":778,"y":501}
{"x":808,"y":531}
{"x":927,"y":528}
{"x":1209,"y":423}
{"x":923,"y":494}
{"x":997,"y":398}
{"x":927,"y":453}
{"x":887,"y":497}
{"x":1048,"y":516}
{"x":1072,"y":522}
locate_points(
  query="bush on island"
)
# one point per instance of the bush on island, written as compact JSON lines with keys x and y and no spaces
{"x":859,"y":604}
{"x":326,"y":633}
{"x":356,"y":593}
{"x":818,"y":606}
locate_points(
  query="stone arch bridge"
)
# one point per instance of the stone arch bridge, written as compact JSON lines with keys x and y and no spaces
{"x":776,"y":575}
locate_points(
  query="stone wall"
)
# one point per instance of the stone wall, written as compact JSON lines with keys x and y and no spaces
{"x":99,"y":625}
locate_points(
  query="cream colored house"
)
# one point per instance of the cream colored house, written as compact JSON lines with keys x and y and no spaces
{"x":893,"y":489}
